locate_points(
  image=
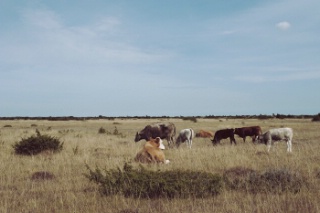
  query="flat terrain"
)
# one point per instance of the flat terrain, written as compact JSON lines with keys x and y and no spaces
{"x":70,"y":191}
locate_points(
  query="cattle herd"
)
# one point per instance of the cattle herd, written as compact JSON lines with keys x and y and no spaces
{"x":154,"y":133}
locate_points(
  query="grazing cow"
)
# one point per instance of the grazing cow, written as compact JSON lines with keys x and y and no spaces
{"x":279,"y":134}
{"x":204,"y":134}
{"x":185,"y":135}
{"x":152,"y":152}
{"x":223,"y":134}
{"x":163,"y":130}
{"x":252,"y":131}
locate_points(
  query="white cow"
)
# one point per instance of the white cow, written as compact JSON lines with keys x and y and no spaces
{"x":279,"y":134}
{"x":185,"y":135}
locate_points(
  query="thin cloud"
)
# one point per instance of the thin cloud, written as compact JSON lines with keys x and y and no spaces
{"x":228,"y":32}
{"x":45,"y":19}
{"x":284,"y":25}
{"x":281,"y":77}
{"x":50,"y":41}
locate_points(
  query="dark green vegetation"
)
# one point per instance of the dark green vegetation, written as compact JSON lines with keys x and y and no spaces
{"x":36,"y":144}
{"x":143,"y":183}
{"x":270,"y":181}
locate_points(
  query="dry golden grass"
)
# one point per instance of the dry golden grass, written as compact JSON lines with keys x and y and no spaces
{"x":69,"y":191}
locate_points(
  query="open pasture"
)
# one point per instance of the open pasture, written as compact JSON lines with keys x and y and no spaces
{"x":70,"y":191}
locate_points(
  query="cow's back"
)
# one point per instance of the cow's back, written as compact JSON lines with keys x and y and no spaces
{"x":280,"y":133}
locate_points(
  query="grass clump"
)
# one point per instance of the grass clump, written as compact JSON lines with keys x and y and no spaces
{"x":42,"y":175}
{"x":143,"y":183}
{"x":37,"y":144}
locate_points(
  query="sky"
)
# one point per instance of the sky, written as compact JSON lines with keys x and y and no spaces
{"x":159,"y":58}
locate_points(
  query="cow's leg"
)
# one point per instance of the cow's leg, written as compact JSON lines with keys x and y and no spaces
{"x":170,"y":141}
{"x":232,"y":139}
{"x":244,"y":139}
{"x":269,"y":145}
{"x":289,"y":145}
{"x":190,"y":143}
{"x":253,"y":139}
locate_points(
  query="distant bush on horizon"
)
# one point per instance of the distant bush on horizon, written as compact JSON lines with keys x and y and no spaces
{"x":316,"y":118}
{"x":111,"y":118}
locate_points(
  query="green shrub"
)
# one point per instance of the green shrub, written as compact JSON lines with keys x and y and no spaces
{"x":36,"y":144}
{"x":271,"y":181}
{"x":143,"y":183}
{"x":102,"y":130}
{"x":276,"y":181}
{"x":237,"y":178}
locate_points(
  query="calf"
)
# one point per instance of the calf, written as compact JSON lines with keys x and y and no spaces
{"x":279,"y":134}
{"x":185,"y":135}
{"x":252,"y":131}
{"x":224,"y":134}
{"x":152,"y":152}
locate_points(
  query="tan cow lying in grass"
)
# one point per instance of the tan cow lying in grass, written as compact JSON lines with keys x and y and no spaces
{"x":204,"y":134}
{"x":152,"y":152}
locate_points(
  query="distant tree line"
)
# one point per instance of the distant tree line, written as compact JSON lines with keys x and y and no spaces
{"x":191,"y":118}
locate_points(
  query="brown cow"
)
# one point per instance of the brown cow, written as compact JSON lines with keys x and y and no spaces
{"x":223,"y":134}
{"x":252,"y":131}
{"x":163,"y":130}
{"x":204,"y":134}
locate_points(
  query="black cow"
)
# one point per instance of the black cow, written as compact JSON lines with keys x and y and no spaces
{"x":163,"y":130}
{"x":223,"y":134}
{"x":252,"y":131}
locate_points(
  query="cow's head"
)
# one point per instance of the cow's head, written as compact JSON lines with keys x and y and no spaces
{"x":137,"y":138}
{"x":161,"y":146}
{"x":259,"y":139}
{"x":157,"y":142}
{"x":214,"y":141}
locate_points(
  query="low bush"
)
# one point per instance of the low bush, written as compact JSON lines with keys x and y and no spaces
{"x":143,"y":183}
{"x":276,"y":181}
{"x":102,"y":130}
{"x":36,"y":144}
{"x":237,"y":178}
{"x":271,"y":181}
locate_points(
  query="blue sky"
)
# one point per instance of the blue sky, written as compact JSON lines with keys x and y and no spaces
{"x":150,"y":57}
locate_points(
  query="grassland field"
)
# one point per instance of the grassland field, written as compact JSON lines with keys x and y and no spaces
{"x":71,"y":191}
